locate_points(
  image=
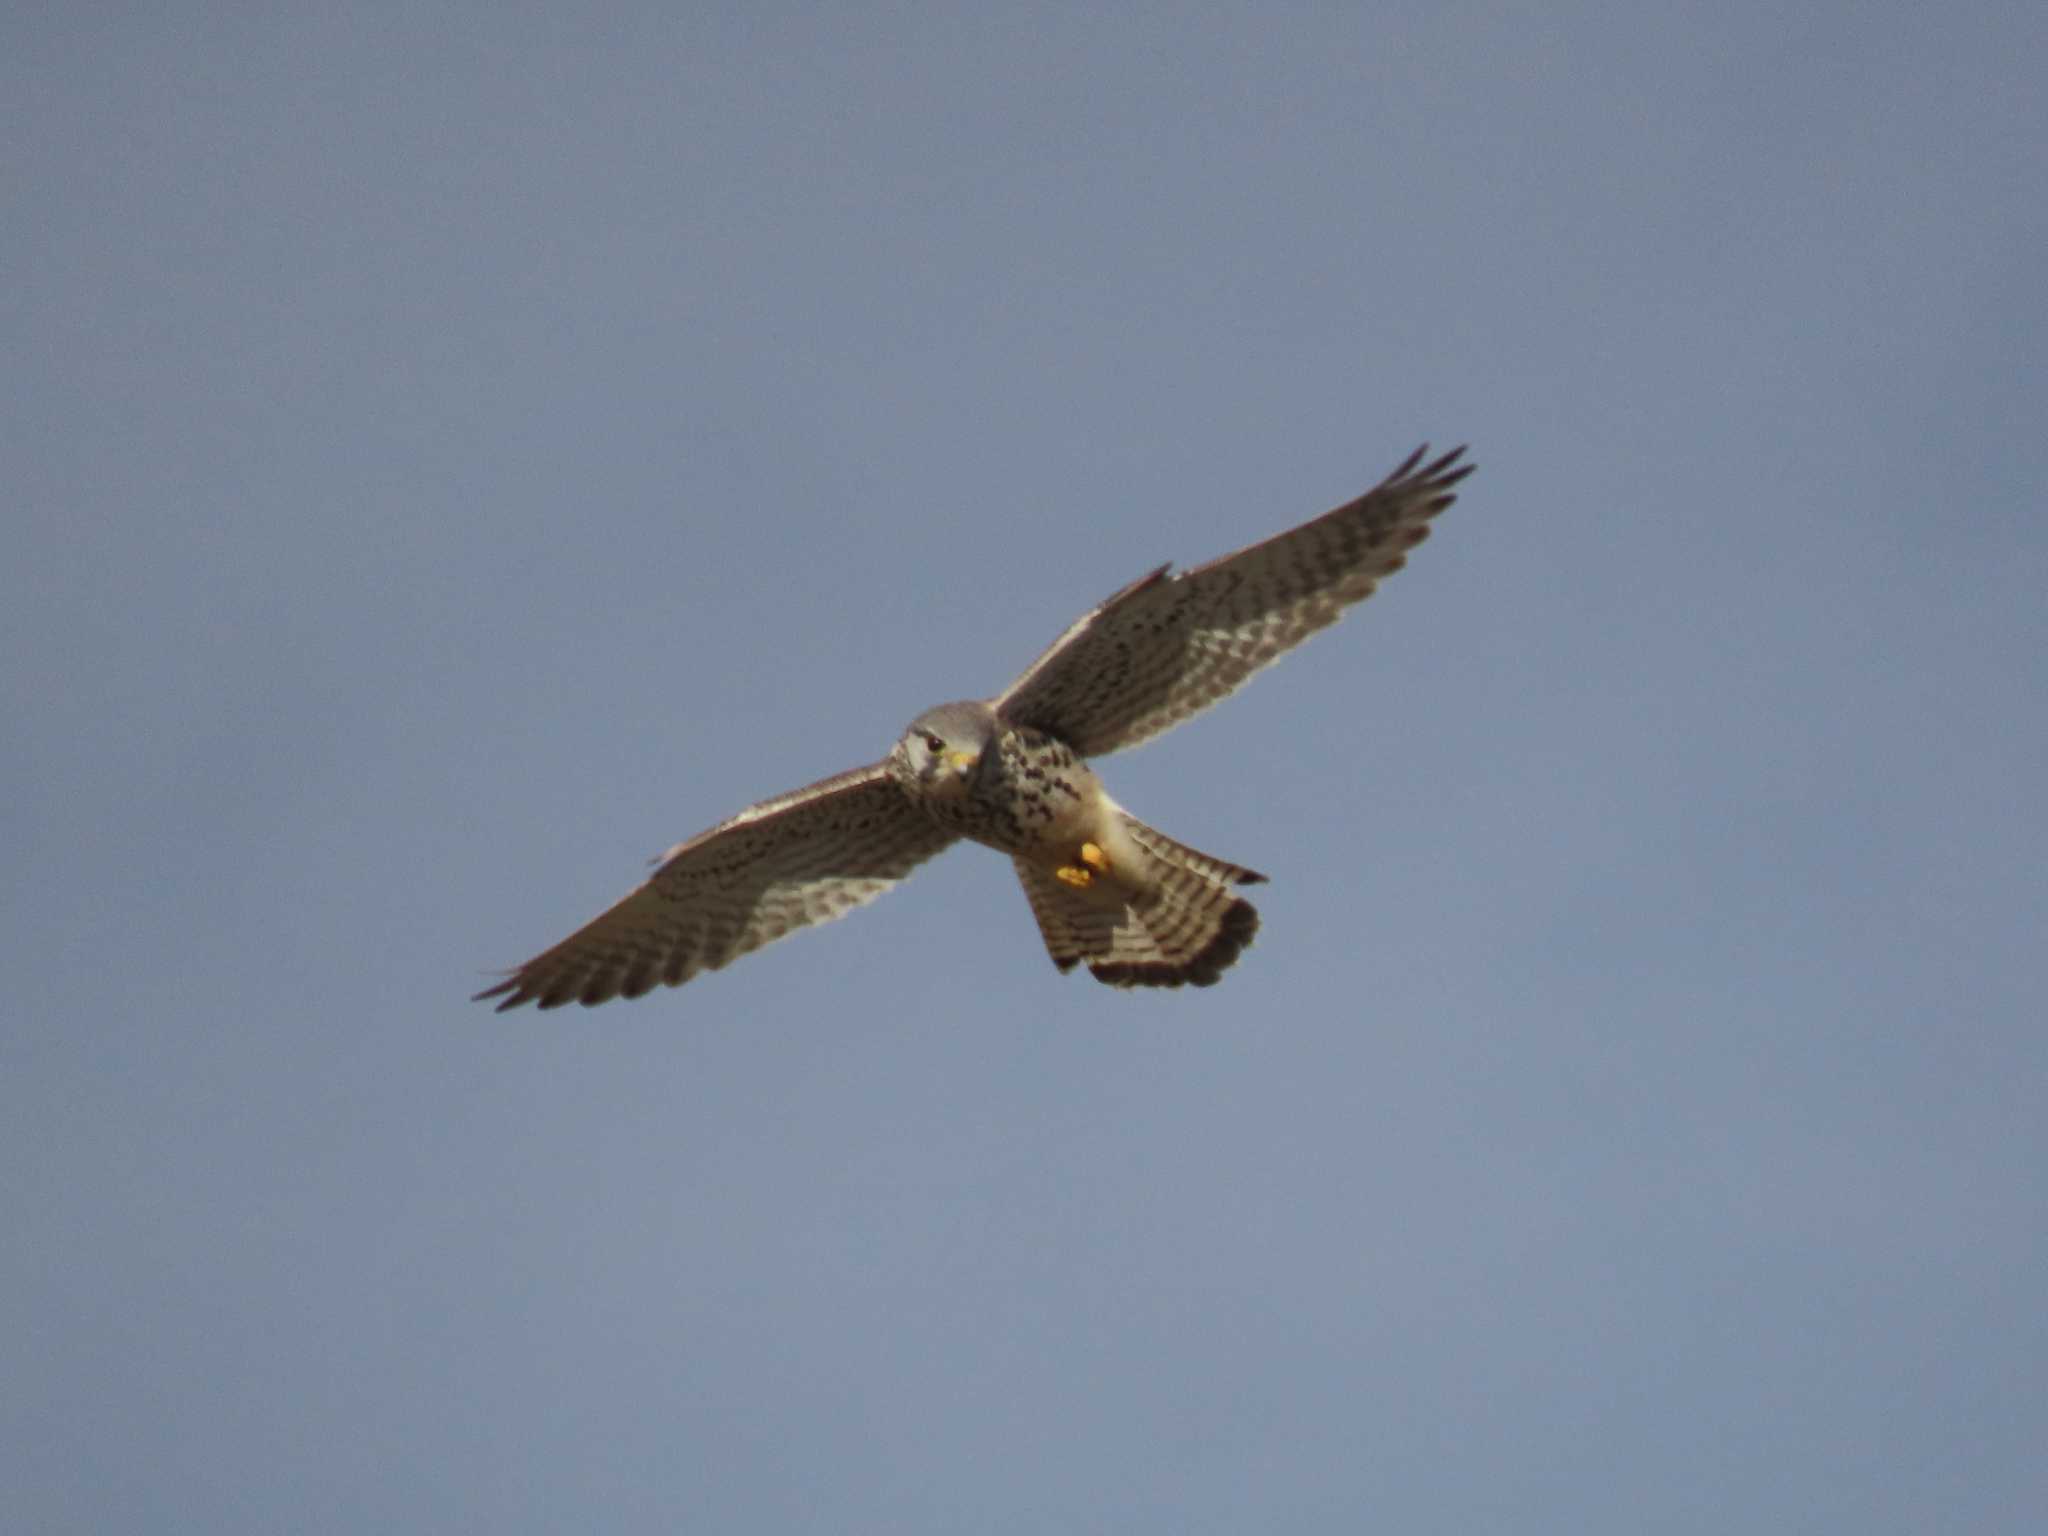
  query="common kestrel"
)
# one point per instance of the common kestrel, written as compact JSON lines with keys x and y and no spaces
{"x":1012,"y":773}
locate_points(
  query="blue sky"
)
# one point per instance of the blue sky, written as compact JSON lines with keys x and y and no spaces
{"x":456,"y":452}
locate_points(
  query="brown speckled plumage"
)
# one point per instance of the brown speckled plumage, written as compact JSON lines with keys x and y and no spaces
{"x":1138,"y":908}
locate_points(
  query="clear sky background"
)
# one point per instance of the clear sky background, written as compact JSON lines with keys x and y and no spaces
{"x":452,"y":453}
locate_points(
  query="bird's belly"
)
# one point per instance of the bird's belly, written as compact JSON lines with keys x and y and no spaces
{"x":1036,"y":811}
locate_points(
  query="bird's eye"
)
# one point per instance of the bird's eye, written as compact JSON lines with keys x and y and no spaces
{"x":934,"y":742}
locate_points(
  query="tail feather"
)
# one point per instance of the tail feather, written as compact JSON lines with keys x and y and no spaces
{"x":1180,"y":924}
{"x":1207,"y":865}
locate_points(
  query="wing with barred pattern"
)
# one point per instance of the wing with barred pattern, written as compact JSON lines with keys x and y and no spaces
{"x":801,"y":858}
{"x":1167,"y":647}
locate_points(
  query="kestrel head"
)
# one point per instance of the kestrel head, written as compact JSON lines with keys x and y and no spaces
{"x":938,"y":754}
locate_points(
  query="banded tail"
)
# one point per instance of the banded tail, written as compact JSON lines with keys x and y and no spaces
{"x":1183,"y":927}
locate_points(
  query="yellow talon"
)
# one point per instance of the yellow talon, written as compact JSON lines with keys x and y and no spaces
{"x":1082,"y":875}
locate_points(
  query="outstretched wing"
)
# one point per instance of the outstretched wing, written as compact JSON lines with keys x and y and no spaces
{"x":805,"y":857}
{"x":1167,"y":647}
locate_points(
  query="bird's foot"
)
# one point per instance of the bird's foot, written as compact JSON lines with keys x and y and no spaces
{"x":1082,"y":875}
